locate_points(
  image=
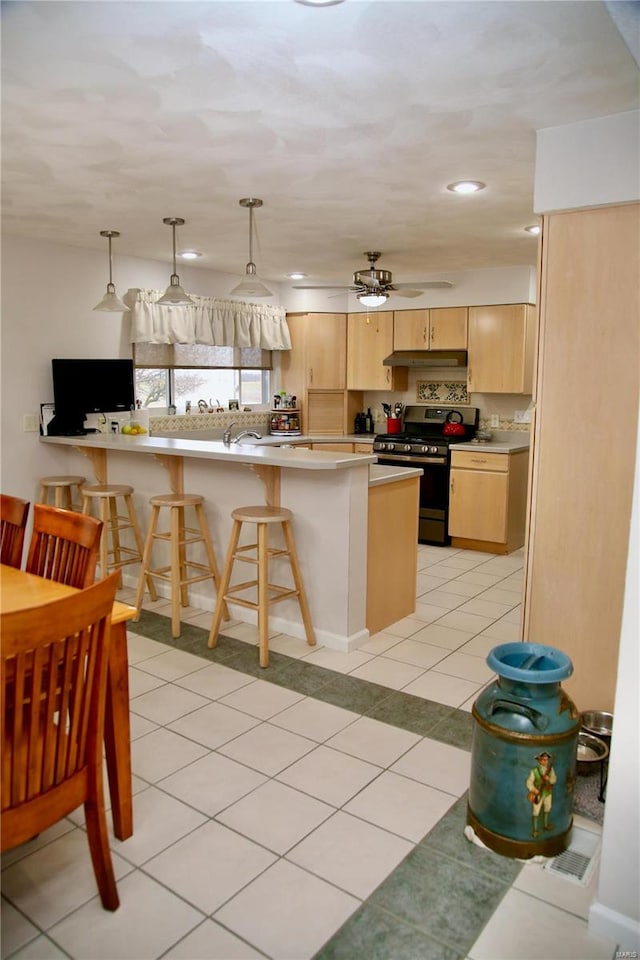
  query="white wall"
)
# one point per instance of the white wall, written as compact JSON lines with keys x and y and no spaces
{"x":578,"y":166}
{"x":588,"y":164}
{"x":616,"y":912}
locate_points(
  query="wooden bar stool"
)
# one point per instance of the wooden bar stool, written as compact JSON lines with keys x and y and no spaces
{"x":63,"y":491}
{"x":268,"y":593}
{"x":180,"y":538}
{"x":114,"y":554}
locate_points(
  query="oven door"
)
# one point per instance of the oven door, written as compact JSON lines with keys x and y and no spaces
{"x":434,"y":495}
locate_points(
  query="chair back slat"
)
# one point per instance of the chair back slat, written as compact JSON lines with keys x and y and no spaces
{"x":13,"y":522}
{"x":64,"y":546}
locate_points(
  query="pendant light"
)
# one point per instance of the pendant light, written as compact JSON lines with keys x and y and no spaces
{"x":372,"y":299}
{"x":174,"y":295}
{"x":111,"y":302}
{"x":251,"y":285}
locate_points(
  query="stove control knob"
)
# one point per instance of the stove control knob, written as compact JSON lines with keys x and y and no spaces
{"x":407,"y":447}
{"x":433,"y":449}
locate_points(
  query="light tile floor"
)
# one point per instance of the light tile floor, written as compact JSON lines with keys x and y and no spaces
{"x":318,"y":812}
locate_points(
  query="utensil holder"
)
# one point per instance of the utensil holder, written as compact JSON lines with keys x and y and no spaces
{"x":393,"y":424}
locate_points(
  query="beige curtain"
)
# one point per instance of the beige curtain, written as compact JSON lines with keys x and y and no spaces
{"x":219,"y":323}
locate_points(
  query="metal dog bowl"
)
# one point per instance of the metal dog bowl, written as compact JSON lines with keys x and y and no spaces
{"x":591,"y":752}
{"x":597,"y":723}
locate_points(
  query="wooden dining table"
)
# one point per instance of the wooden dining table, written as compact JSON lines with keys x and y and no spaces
{"x":21,"y":591}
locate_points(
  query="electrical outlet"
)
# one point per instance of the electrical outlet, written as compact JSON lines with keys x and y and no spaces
{"x":522,"y":416}
{"x":495,"y":420}
{"x":30,"y":423}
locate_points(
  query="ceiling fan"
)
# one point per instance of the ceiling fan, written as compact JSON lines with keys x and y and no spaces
{"x":376,"y":285}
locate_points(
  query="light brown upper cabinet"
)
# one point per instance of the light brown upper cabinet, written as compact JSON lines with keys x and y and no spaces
{"x":369,"y":341}
{"x":502,"y":341}
{"x":318,"y":356}
{"x":315,"y":370}
{"x":439,"y":328}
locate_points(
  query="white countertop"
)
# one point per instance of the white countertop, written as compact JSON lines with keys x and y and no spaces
{"x":495,"y":446}
{"x":380,"y":473}
{"x":247,"y":451}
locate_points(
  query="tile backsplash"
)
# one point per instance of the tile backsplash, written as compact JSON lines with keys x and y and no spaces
{"x":211,"y":421}
{"x":428,"y":391}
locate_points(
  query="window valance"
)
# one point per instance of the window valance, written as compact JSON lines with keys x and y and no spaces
{"x":220,"y":323}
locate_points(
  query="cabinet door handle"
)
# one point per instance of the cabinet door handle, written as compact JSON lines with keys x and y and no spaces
{"x":388,"y":374}
{"x":432,"y":333}
{"x":451,"y":487}
{"x":310,"y":374}
{"x":478,"y":460}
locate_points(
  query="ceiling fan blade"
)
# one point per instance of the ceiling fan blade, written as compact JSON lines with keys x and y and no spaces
{"x":407,"y":293}
{"x":328,"y":286}
{"x":427,"y":285}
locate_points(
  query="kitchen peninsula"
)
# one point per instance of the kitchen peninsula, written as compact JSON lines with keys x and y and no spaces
{"x":343,"y":515}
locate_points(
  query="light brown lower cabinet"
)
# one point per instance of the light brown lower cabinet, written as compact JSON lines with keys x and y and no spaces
{"x":487,"y":500}
{"x":392,"y":552}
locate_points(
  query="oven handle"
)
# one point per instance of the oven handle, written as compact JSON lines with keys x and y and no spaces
{"x":436,"y":461}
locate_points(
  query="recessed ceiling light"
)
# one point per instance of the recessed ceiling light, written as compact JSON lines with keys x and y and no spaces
{"x":319,"y":3}
{"x":534,"y":229}
{"x":189,"y":254}
{"x":296,"y":276}
{"x":466,"y":186}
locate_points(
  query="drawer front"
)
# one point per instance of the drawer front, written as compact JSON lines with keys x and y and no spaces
{"x":465,"y":459}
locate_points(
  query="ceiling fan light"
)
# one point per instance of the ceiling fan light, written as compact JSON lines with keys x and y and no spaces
{"x":372,"y":299}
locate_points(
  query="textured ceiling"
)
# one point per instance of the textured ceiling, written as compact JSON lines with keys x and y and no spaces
{"x":348,"y":121}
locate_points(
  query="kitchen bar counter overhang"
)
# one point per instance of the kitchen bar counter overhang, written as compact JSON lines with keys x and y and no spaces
{"x":327,"y":492}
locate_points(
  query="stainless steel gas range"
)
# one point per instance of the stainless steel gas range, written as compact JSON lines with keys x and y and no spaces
{"x":426,"y":442}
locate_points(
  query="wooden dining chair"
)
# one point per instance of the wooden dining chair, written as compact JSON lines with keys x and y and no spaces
{"x":13,"y":523}
{"x":64,"y":546}
{"x":53,"y":692}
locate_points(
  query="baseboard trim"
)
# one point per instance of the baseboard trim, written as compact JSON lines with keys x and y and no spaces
{"x":611,"y":925}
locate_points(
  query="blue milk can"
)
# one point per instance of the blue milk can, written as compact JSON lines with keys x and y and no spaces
{"x":523,"y":754}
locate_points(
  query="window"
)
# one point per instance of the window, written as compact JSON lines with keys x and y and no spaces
{"x":172,"y":373}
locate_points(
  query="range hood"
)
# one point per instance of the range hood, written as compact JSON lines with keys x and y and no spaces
{"x":426,"y":358}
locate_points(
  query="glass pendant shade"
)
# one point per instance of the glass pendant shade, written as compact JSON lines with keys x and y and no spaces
{"x":372,"y":299}
{"x":251,"y":285}
{"x":111,"y":302}
{"x":174,"y":295}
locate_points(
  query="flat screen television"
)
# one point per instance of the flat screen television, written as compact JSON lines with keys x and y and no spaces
{"x":86,"y":386}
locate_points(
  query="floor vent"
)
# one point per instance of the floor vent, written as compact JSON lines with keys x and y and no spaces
{"x":579,"y":860}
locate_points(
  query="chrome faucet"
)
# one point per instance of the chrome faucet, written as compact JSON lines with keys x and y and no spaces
{"x":247,"y":433}
{"x":226,"y":436}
